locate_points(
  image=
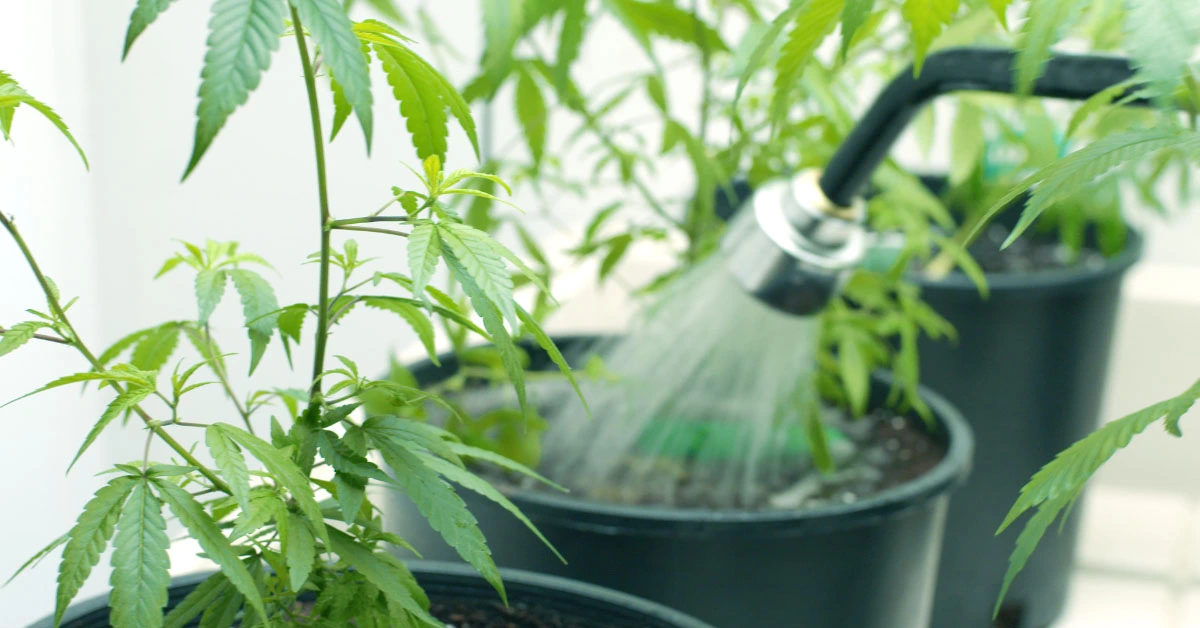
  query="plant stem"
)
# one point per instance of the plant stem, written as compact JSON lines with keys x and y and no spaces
{"x":373,"y":230}
{"x":336,"y":224}
{"x":75,"y":341}
{"x":61,"y":341}
{"x":223,"y":377}
{"x":322,"y":332}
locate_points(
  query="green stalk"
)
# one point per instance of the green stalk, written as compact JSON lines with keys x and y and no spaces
{"x":74,"y":340}
{"x":322,"y":331}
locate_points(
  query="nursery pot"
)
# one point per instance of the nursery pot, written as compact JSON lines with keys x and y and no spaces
{"x":870,"y":564}
{"x":588,"y":605}
{"x":1028,"y":373}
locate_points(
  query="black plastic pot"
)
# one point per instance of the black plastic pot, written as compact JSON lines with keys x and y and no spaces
{"x":870,"y":564}
{"x":591,"y":605}
{"x":1028,"y":372}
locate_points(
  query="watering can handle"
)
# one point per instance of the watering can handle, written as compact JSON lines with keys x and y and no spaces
{"x":1067,"y":76}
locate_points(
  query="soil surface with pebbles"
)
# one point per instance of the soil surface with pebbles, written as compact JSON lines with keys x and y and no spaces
{"x":880,"y":451}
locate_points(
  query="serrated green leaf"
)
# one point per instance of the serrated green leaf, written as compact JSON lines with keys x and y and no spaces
{"x":17,"y":335}
{"x":470,"y":481}
{"x":503,"y":462}
{"x":408,"y":432}
{"x":854,"y":15}
{"x":769,"y":39}
{"x":379,"y":572}
{"x":156,"y":347}
{"x":12,"y":95}
{"x":286,"y":473}
{"x":412,"y":315}
{"x":344,"y":460}
{"x":88,"y":539}
{"x":140,"y":564}
{"x":1162,"y":36}
{"x":442,"y":507}
{"x":1046,"y":19}
{"x":494,"y":323}
{"x":927,"y":18}
{"x":342,"y":52}
{"x":300,"y":548}
{"x":121,"y":345}
{"x":231,"y":464}
{"x":1000,"y":7}
{"x":1066,"y":176}
{"x":341,"y":108}
{"x":143,"y":16}
{"x":260,"y":309}
{"x":202,"y":597}
{"x":416,"y":87}
{"x":210,"y":287}
{"x":351,"y":492}
{"x":242,"y":36}
{"x":38,"y":557}
{"x":123,"y":403}
{"x":547,"y":344}
{"x":665,"y":19}
{"x":531,"y":113}
{"x":201,"y":527}
{"x":617,"y":247}
{"x":424,"y":250}
{"x":813,"y":22}
{"x":1059,"y":483}
{"x":855,"y":372}
{"x":502,"y":29}
{"x":476,"y":258}
{"x":570,"y":40}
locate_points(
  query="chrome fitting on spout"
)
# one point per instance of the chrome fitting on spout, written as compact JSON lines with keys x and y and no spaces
{"x":796,"y":247}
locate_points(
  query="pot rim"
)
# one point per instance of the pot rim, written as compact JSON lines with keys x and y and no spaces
{"x":606,"y":518}
{"x":437,"y":575}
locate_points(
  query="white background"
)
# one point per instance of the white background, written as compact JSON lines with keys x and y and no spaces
{"x":102,"y":235}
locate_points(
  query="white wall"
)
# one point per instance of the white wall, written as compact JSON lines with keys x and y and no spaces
{"x":104,"y":234}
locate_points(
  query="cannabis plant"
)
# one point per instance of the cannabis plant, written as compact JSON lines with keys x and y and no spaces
{"x":285,"y":513}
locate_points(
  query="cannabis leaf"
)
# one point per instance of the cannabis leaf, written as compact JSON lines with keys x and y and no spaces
{"x":813,"y":21}
{"x":416,"y":319}
{"x":1161,"y":36}
{"x":156,"y":347}
{"x":232,"y":465}
{"x":300,"y":549}
{"x":854,"y":15}
{"x":13,"y":96}
{"x":478,"y":255}
{"x":122,"y":404}
{"x":531,"y":113}
{"x":927,"y":19}
{"x":143,"y":16}
{"x":664,"y":19}
{"x":140,"y":563}
{"x":88,"y":539}
{"x":286,"y":473}
{"x":260,"y":309}
{"x":208,"y":593}
{"x":342,"y":52}
{"x":210,"y":287}
{"x":441,"y":506}
{"x":242,"y":36}
{"x":1045,"y":20}
{"x":416,"y":89}
{"x":424,"y":250}
{"x":503,"y":22}
{"x":570,"y":40}
{"x":1058,"y":484}
{"x":13,"y":337}
{"x":202,"y":528}
{"x":381,"y":573}
{"x":1066,"y":176}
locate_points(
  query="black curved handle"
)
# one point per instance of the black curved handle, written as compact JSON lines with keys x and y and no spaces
{"x":1067,"y":76}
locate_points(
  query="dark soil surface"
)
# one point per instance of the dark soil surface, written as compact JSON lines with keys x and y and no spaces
{"x":496,"y":615}
{"x":1029,"y":253}
{"x":880,"y":451}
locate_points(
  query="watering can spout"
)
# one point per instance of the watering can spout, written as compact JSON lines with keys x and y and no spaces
{"x":805,"y":234}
